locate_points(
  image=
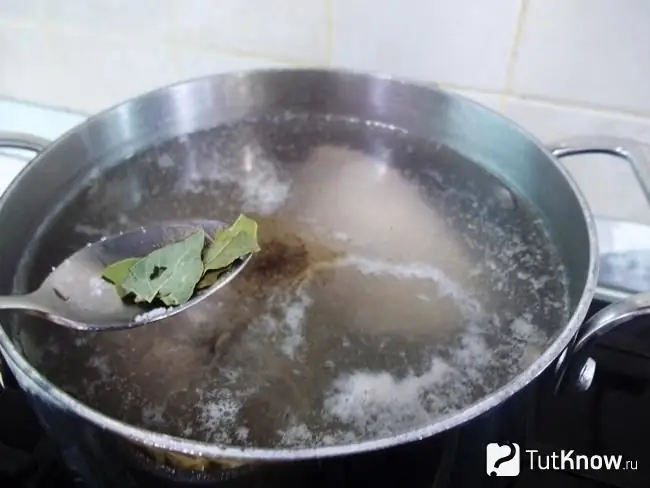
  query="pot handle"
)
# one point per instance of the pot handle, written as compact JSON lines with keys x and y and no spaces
{"x":27,"y":142}
{"x":575,"y":369}
{"x":636,"y":154}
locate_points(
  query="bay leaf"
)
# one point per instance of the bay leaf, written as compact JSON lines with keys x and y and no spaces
{"x":233,"y":243}
{"x":117,"y":272}
{"x":169,"y":273}
{"x":209,"y":279}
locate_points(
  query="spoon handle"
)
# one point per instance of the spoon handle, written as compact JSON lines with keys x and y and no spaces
{"x":20,"y":302}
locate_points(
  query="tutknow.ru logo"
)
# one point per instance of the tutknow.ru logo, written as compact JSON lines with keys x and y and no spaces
{"x":505,"y":460}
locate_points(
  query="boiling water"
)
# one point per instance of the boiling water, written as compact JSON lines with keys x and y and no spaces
{"x":397,"y":282}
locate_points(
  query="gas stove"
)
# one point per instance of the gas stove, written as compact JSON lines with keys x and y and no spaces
{"x":611,"y":418}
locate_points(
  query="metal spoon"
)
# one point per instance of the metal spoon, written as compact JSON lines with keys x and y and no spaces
{"x":75,"y":295}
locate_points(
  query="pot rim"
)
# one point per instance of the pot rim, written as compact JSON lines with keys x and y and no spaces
{"x":31,"y":379}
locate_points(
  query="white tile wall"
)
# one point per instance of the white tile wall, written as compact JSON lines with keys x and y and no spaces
{"x":280,"y":29}
{"x":126,"y":20}
{"x":465,"y":42}
{"x":583,"y":53}
{"x":22,"y":72}
{"x":596,"y":52}
{"x":103,"y":72}
{"x":194,"y":63}
{"x":29,"y":9}
{"x":558,"y":67}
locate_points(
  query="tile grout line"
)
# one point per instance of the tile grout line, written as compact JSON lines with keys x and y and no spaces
{"x":4,"y":98}
{"x":514,"y":52}
{"x":49,"y":106}
{"x":235,"y":52}
{"x":556,"y":102}
{"x":578,"y":105}
{"x":329,"y":21}
{"x":178,"y":46}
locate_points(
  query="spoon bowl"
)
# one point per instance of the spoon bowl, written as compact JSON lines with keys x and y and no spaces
{"x":75,"y":295}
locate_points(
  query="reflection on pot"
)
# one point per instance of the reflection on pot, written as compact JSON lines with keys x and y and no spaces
{"x":165,"y":464}
{"x":186,"y":462}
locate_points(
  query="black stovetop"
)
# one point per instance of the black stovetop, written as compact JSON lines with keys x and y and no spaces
{"x":613,"y":417}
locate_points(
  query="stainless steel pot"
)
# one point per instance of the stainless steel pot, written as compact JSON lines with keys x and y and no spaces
{"x":431,"y":114}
